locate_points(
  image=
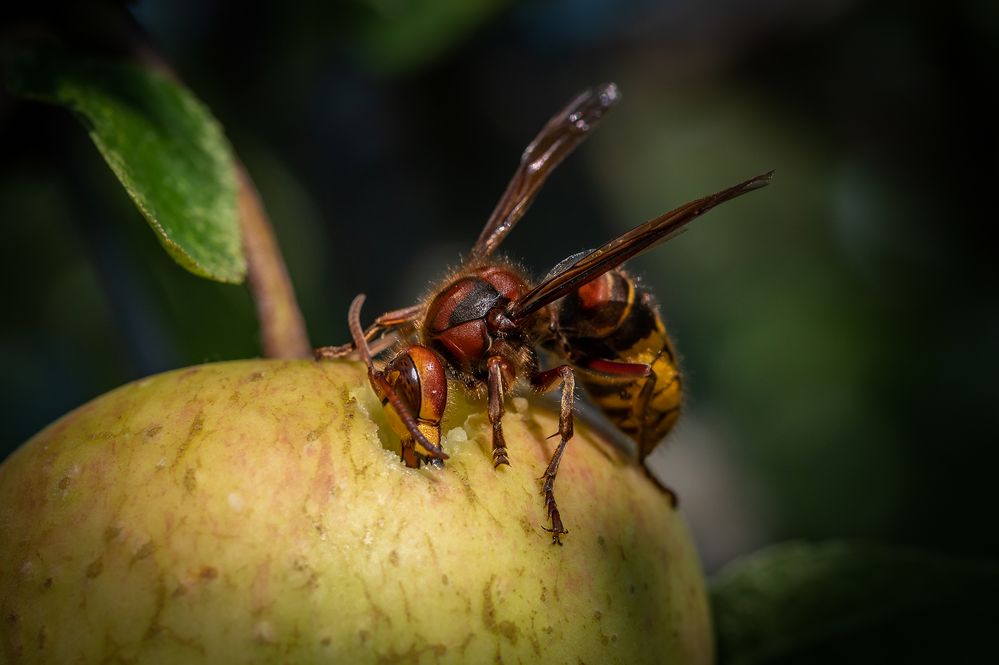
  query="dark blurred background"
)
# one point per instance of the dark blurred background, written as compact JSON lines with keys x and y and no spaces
{"x":838,"y":328}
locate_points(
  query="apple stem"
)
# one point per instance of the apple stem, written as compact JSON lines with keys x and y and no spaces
{"x":282,"y":328}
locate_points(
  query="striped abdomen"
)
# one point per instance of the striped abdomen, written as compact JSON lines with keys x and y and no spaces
{"x":613,"y":331}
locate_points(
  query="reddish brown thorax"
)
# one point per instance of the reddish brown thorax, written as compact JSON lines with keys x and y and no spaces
{"x":467,"y":316}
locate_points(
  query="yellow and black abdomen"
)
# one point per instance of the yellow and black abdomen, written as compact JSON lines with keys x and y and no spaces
{"x":614,"y":334}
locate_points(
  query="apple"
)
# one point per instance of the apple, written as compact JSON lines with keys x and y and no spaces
{"x":255,"y":512}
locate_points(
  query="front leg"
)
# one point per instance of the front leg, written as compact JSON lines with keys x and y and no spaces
{"x":497,"y":396}
{"x":543,"y":382}
{"x":334,"y":352}
{"x":387,"y":326}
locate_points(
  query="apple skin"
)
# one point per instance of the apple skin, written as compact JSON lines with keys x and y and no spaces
{"x":249,"y":512}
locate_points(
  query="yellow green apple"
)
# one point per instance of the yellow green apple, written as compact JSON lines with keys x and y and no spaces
{"x":255,"y":512}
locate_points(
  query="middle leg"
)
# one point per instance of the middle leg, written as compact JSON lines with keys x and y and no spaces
{"x":543,"y":382}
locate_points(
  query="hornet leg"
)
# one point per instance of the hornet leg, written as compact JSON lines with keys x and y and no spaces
{"x":497,"y":395}
{"x":543,"y":382}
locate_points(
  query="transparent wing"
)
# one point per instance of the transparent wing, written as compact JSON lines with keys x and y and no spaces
{"x":624,"y":247}
{"x":563,"y":132}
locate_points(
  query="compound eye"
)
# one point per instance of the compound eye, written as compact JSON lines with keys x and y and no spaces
{"x":404,"y":378}
{"x":432,"y":383}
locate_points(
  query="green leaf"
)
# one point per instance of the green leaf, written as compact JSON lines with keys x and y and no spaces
{"x":164,"y":146}
{"x":854,"y":603}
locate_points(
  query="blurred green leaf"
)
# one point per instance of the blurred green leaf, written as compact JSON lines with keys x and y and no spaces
{"x":402,"y":35}
{"x":163,"y":145}
{"x":854,"y":603}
